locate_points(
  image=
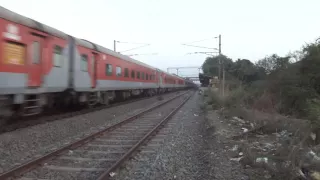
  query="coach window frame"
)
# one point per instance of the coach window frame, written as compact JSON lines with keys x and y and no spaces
{"x":57,"y":56}
{"x":133,"y":73}
{"x":84,"y":63}
{"x":138,"y":74}
{"x":117,"y":73}
{"x":126,"y":72}
{"x":107,"y":72}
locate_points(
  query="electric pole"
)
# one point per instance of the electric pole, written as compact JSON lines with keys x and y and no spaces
{"x":114,"y":45}
{"x":221,"y":62}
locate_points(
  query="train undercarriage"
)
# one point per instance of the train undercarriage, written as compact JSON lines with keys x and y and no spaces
{"x":12,"y":106}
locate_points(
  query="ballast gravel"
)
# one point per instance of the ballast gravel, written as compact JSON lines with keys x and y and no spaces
{"x":187,"y":152}
{"x":22,"y":145}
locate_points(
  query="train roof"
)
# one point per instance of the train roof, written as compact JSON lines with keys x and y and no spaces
{"x":90,"y":45}
{"x":19,"y":19}
{"x":173,"y":75}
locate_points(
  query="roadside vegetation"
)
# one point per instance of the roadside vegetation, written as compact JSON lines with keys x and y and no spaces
{"x":275,"y":103}
{"x":287,"y":85}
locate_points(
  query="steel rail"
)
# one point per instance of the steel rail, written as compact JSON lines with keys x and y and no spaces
{"x":28,"y":166}
{"x":106,"y":174}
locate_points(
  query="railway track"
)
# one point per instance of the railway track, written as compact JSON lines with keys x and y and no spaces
{"x":31,"y":121}
{"x":99,"y":154}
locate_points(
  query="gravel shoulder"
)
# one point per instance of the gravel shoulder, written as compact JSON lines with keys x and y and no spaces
{"x":20,"y":146}
{"x":192,"y":149}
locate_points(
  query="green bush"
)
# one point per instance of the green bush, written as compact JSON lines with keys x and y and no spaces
{"x":313,"y":112}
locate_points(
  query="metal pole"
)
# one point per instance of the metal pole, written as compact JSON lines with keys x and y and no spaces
{"x":114,"y":45}
{"x":177,"y":71}
{"x":223,"y":70}
{"x":219,"y":59}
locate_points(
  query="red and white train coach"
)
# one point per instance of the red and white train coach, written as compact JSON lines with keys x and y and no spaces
{"x":31,"y":63}
{"x":107,"y":75}
{"x":42,"y":67}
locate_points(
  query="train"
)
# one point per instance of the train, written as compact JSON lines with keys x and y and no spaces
{"x":43,"y":68}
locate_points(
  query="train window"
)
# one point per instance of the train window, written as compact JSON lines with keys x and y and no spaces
{"x":36,"y":52}
{"x":147,"y":78}
{"x":138,"y":75}
{"x":108,"y":70}
{"x":14,"y":53}
{"x":133,"y":74}
{"x":57,"y":56}
{"x":84,"y":62}
{"x":118,"y":71}
{"x":126,"y":72}
{"x":142,"y":75}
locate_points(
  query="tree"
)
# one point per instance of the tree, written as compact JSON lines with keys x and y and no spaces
{"x":273,"y":63}
{"x":246,"y":71}
{"x":211,"y":65}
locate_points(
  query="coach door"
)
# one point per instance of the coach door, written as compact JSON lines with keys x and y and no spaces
{"x":94,"y":58}
{"x":35,"y":62}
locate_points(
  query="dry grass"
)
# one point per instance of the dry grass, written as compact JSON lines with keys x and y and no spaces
{"x":289,"y":153}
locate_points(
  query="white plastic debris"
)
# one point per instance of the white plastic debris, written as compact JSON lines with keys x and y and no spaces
{"x":236,"y":159}
{"x":235,"y":147}
{"x":282,"y":133}
{"x":174,"y":177}
{"x":70,"y":152}
{"x":313,"y":136}
{"x":262,"y":160}
{"x":245,"y":130}
{"x":240,"y":153}
{"x":240,"y":120}
{"x":302,"y":174}
{"x":313,"y":155}
{"x":252,"y":125}
{"x":196,"y":115}
{"x":112,"y":174}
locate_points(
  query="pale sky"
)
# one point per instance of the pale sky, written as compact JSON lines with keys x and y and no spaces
{"x":250,"y":29}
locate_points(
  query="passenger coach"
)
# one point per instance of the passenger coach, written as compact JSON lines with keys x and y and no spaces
{"x":42,"y":67}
